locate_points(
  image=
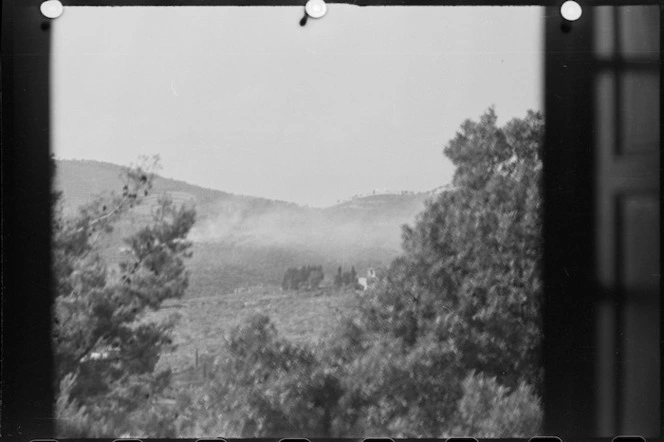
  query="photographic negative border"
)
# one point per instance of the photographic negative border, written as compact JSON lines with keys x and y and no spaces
{"x":571,"y":293}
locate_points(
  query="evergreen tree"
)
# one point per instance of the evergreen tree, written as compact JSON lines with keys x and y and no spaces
{"x":459,"y":313}
{"x":472,"y":262}
{"x":338,"y":279}
{"x":104,"y":350}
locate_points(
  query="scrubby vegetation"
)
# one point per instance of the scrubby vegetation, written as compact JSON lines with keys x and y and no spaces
{"x":445,"y":343}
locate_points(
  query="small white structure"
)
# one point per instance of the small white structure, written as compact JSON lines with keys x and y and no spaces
{"x":363,"y":282}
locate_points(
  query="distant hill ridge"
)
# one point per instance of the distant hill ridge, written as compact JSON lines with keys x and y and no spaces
{"x":81,"y":179}
{"x":244,"y":240}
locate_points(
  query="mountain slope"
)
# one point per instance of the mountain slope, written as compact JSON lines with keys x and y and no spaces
{"x":81,"y":179}
{"x":244,"y":240}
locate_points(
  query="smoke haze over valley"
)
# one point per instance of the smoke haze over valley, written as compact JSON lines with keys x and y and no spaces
{"x":242,"y":241}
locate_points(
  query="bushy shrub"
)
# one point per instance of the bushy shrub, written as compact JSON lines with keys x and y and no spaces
{"x":490,"y":410}
{"x":72,"y":419}
{"x":389,"y":391}
{"x":265,"y":386}
{"x":132,"y":409}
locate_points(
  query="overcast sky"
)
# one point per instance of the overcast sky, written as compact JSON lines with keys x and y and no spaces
{"x":246,"y":101}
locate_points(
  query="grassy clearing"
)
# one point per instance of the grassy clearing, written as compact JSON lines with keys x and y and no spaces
{"x":205,"y":322}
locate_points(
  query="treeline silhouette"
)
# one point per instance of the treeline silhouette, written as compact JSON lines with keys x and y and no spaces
{"x":346,"y":279}
{"x":304,"y":278}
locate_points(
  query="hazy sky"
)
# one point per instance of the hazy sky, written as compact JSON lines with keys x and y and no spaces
{"x":246,"y":101}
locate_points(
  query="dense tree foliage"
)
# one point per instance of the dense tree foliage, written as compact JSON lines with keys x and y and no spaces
{"x":346,"y":278}
{"x":263,"y":385}
{"x":105,"y":351}
{"x":466,"y":294}
{"x":471,"y":269}
{"x":446,"y":343}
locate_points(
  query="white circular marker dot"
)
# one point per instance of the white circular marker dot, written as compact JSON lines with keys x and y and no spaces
{"x":315,"y":8}
{"x":571,"y":10}
{"x":51,"y":9}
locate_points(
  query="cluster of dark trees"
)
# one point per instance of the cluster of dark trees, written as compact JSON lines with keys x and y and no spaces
{"x":304,"y":278}
{"x":345,"y":279}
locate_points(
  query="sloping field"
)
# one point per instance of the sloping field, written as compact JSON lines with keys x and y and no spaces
{"x":205,"y":323}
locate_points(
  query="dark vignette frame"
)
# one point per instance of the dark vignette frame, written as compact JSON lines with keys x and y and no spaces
{"x":569,"y":195}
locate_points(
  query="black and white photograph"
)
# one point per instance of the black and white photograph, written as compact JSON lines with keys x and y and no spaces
{"x":332,"y":221}
{"x":266,"y":229}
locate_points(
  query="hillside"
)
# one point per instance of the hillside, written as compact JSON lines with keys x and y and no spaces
{"x":245,"y":241}
{"x":205,"y":322}
{"x":80,"y":179}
